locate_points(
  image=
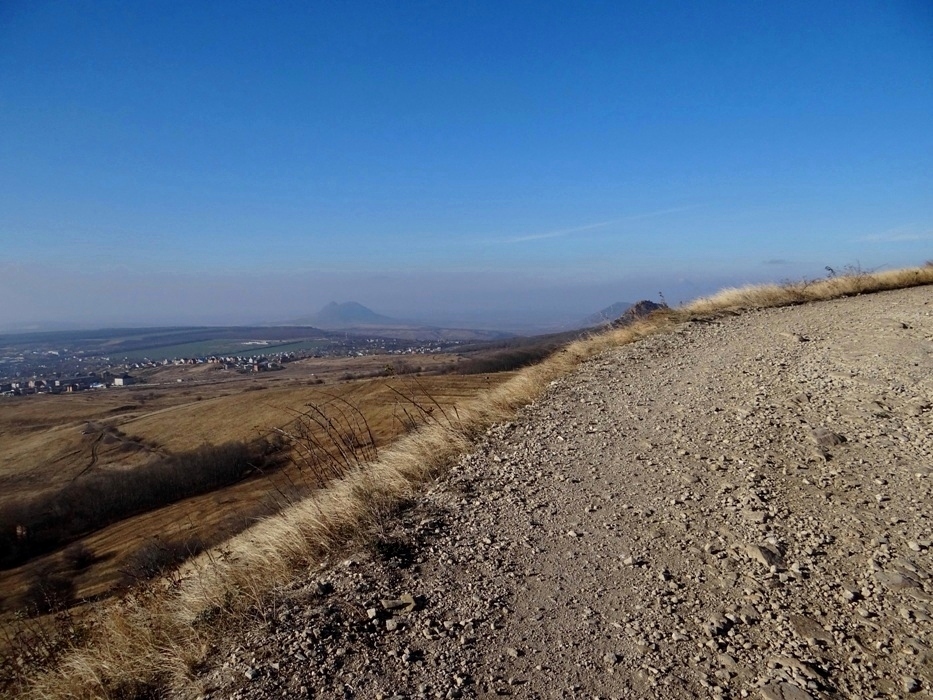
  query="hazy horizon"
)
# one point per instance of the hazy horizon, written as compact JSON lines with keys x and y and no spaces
{"x":511,"y":166}
{"x":518,"y":309}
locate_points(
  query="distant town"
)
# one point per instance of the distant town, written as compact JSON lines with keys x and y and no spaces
{"x":60,"y":371}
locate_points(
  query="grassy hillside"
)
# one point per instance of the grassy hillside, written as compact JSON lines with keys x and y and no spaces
{"x":154,"y":639}
{"x":90,"y":446}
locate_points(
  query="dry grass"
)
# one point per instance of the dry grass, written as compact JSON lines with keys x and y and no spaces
{"x":834,"y":287}
{"x":160,"y":636}
{"x":45,"y":444}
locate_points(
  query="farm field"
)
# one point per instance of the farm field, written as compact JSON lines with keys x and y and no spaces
{"x":49,"y":442}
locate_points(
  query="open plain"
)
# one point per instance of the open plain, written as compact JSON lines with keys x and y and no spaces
{"x":738,"y":508}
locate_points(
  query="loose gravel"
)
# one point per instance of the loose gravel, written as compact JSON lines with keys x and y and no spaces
{"x":737,"y":509}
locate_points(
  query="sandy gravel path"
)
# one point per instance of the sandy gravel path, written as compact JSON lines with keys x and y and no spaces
{"x":738,"y":509}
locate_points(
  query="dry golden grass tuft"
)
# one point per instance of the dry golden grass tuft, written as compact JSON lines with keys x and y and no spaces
{"x":833,"y":287}
{"x":159,"y":636}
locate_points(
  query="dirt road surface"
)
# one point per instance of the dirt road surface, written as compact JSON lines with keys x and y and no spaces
{"x":741,"y":508}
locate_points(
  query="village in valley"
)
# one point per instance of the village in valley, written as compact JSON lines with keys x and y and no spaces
{"x":43,"y":371}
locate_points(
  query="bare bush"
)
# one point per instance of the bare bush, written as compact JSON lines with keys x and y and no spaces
{"x":504,"y":361}
{"x":28,"y":644}
{"x":78,"y":556}
{"x":47,"y":591}
{"x":99,"y":499}
{"x":157,"y":557}
{"x":330,"y":439}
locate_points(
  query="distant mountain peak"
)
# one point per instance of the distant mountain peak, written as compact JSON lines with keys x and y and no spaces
{"x":348,"y":314}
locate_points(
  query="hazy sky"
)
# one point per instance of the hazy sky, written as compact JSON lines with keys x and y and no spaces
{"x":243,"y":161}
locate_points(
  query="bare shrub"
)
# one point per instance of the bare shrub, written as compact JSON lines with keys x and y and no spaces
{"x":330,"y":439}
{"x":504,"y":360}
{"x":78,"y":556}
{"x":98,"y":499}
{"x":418,"y":407}
{"x":400,"y":367}
{"x":157,"y":557}
{"x":47,"y":591}
{"x":28,"y":644}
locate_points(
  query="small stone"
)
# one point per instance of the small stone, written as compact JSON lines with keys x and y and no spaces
{"x":824,"y":437}
{"x":810,"y":630}
{"x":251,"y":673}
{"x":895,"y":580}
{"x":727,"y":661}
{"x":717,"y":626}
{"x":784,"y":691}
{"x":850,"y":593}
{"x":404,"y":603}
{"x":765,"y":555}
{"x":748,"y":615}
{"x":611,"y":658}
{"x":757,"y":516}
{"x":910,"y":684}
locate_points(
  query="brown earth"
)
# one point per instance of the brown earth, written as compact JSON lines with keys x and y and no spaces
{"x":49,"y":441}
{"x":739,"y":508}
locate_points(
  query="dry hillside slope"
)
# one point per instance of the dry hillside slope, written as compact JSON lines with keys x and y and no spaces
{"x":739,"y":508}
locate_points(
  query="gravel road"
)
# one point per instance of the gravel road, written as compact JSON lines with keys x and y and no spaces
{"x":740,"y":508}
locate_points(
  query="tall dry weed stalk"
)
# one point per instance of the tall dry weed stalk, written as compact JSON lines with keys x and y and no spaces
{"x":330,"y":439}
{"x":159,"y":638}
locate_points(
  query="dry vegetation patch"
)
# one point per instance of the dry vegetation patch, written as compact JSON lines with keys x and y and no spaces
{"x":159,"y":635}
{"x":80,"y":464}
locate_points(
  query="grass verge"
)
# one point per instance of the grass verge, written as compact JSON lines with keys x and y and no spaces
{"x":158,"y":636}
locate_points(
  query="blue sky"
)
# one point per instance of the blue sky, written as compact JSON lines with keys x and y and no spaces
{"x":513,"y":163}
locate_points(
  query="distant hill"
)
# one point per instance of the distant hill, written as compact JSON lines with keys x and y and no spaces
{"x":621,"y":313}
{"x":607,"y":315}
{"x":638,"y":310}
{"x":349,"y":314}
{"x":354,"y":318}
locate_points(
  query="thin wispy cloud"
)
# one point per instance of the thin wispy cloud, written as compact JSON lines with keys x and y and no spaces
{"x":901,"y":234}
{"x":562,"y":232}
{"x":598,"y":225}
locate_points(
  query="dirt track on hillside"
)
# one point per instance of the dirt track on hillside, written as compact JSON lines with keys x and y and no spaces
{"x":738,"y":509}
